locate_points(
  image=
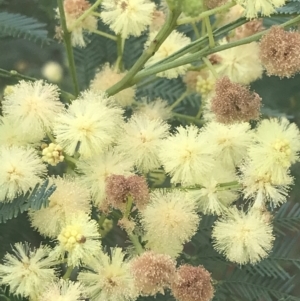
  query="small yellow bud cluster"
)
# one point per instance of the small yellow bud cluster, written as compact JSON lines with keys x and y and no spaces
{"x":52,"y":154}
{"x":205,"y":85}
{"x":70,"y":236}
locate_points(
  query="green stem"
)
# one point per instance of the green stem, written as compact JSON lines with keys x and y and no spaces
{"x":188,"y":118}
{"x":103,"y":34}
{"x":128,"y":206}
{"x":197,"y":33}
{"x":85,"y":14}
{"x":209,"y":32}
{"x":50,"y":136}
{"x":210,"y":67}
{"x":68,"y":273}
{"x":68,"y":46}
{"x":167,"y":28}
{"x":204,"y":52}
{"x":136,"y":242}
{"x":205,"y":14}
{"x":18,"y":76}
{"x":120,"y":49}
{"x":101,"y":220}
{"x":179,"y":100}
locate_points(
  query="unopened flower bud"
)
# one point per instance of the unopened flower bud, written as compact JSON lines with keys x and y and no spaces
{"x":52,"y":154}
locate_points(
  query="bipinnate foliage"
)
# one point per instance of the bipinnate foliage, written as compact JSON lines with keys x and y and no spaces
{"x":35,"y":199}
{"x":19,"y":26}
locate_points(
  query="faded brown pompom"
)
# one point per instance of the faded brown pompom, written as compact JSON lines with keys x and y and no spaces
{"x":153,"y":272}
{"x":76,"y":7}
{"x":192,"y":284}
{"x":234,"y":103}
{"x":118,"y":188}
{"x":117,"y":191}
{"x":279,"y":52}
{"x":139,"y":190}
{"x":214,"y":3}
{"x":248,"y":29}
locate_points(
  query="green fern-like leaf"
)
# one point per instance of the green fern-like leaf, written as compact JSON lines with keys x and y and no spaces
{"x":36,"y":199}
{"x":19,"y":26}
{"x":287,"y":218}
{"x":291,"y":7}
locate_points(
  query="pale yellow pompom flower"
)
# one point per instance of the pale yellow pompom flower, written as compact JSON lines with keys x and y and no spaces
{"x":174,"y":42}
{"x":96,"y":170}
{"x":27,"y":271}
{"x":276,"y":148}
{"x":169,"y":221}
{"x":106,"y":78}
{"x":127,"y":17}
{"x":241,"y":64}
{"x":253,"y":8}
{"x":33,"y":105}
{"x":62,"y":290}
{"x":154,"y":109}
{"x":186,"y":156}
{"x":109,"y":277}
{"x":79,"y":238}
{"x":69,"y":197}
{"x":141,"y":140}
{"x":21,"y":169}
{"x":231,"y":142}
{"x":243,"y":237}
{"x":211,"y":199}
{"x":91,"y":122}
{"x":11,"y":133}
{"x":263,"y":187}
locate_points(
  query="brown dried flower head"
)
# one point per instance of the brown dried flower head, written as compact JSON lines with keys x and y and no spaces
{"x":118,"y":188}
{"x":76,"y":8}
{"x":138,"y":189}
{"x":214,"y":3}
{"x":279,"y":52}
{"x":117,"y":191}
{"x":234,"y":103}
{"x":192,"y":284}
{"x":153,"y":272}
{"x":248,"y":29}
{"x":158,"y":20}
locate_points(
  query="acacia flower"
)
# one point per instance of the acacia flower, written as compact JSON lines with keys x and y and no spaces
{"x":281,"y":58}
{"x":79,"y":238}
{"x":243,"y":237}
{"x":27,"y":271}
{"x":262,"y":7}
{"x":192,"y":284}
{"x":186,"y":156}
{"x":109,"y":277}
{"x":264,"y":186}
{"x":154,"y":109}
{"x":69,"y":197}
{"x":96,"y":170}
{"x":33,"y":105}
{"x":144,"y":136}
{"x":153,"y":272}
{"x":174,"y":42}
{"x":91,"y":122}
{"x":231,"y":141}
{"x":234,"y":103}
{"x":21,"y":169}
{"x":169,"y":220}
{"x":241,"y":64}
{"x":210,"y":199}
{"x":276,"y":148}
{"x":127,"y":17}
{"x":63,"y":290}
{"x":106,"y":78}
